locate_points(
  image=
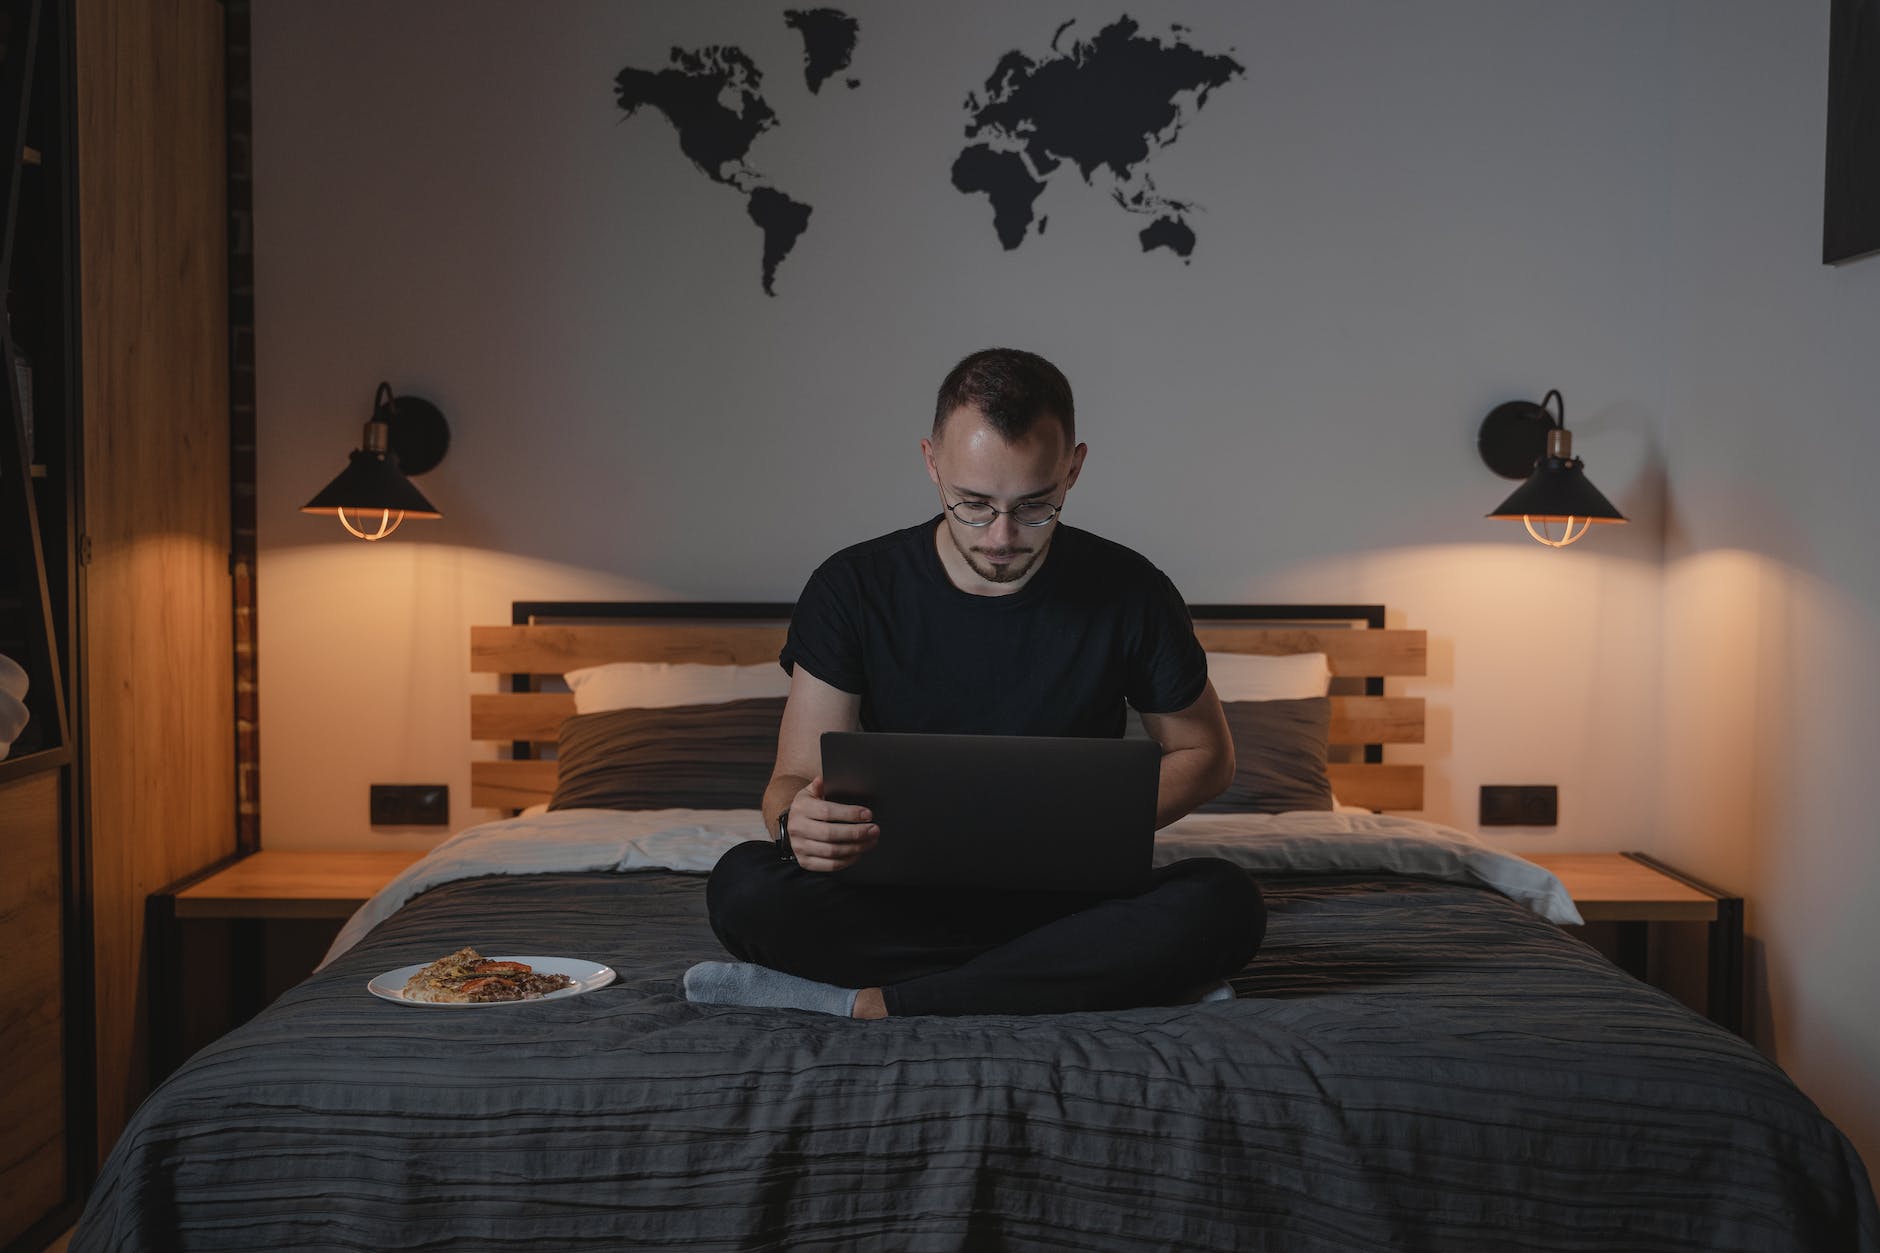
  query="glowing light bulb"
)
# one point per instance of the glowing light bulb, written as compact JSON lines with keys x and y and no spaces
{"x":387,"y":523}
{"x":1567,"y":536}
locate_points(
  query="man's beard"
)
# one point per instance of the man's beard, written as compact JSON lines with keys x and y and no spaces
{"x":1023,"y":560}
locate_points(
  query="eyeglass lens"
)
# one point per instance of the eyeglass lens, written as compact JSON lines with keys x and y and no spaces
{"x":980,"y":513}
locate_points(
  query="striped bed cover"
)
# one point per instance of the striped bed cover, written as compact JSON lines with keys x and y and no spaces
{"x":1410,"y":1065}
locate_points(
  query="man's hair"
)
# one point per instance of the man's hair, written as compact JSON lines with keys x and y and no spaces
{"x":1013,"y":389}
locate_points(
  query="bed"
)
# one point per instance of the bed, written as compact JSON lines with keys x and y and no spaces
{"x":1418,"y":1058}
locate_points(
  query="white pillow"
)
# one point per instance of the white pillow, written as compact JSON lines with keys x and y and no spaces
{"x":663,"y":684}
{"x":13,"y":712}
{"x":1246,"y":676}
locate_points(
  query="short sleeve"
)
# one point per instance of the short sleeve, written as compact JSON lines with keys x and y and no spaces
{"x":1167,"y":667}
{"x":823,"y":638}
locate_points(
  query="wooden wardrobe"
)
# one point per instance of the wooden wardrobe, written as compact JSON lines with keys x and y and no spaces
{"x":118,"y":265}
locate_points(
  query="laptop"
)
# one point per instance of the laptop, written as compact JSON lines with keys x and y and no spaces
{"x":1014,"y":812}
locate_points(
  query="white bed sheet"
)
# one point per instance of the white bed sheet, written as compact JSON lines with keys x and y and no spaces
{"x":567,"y":841}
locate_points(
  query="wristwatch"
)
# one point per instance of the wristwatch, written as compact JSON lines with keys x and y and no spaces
{"x":784,"y":850}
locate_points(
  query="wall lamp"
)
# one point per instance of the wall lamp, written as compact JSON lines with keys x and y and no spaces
{"x":1523,"y":440}
{"x":371,"y":496}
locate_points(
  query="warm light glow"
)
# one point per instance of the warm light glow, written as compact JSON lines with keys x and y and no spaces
{"x":1567,"y":536}
{"x":388,"y":522}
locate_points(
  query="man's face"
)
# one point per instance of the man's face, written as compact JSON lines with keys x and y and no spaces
{"x":971,"y":461}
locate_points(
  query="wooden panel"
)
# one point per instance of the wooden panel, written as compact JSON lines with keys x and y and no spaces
{"x":288,"y":884}
{"x":518,"y":784}
{"x":538,"y":716}
{"x":511,"y":784}
{"x":1377,"y":720}
{"x":1362,"y":653}
{"x":559,"y":649}
{"x":506,"y":716}
{"x":32,"y":1100}
{"x":518,"y":715}
{"x":1377,"y":786}
{"x":1611,"y":887}
{"x":153,"y":331}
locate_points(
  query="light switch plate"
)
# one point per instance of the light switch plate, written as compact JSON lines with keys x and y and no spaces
{"x":1520,"y":805}
{"x":410,"y":804}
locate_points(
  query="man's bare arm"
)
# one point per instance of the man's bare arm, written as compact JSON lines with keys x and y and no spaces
{"x":825,"y":836}
{"x":1197,"y":756}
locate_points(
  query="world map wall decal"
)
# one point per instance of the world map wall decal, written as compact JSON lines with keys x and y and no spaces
{"x":1101,"y":106}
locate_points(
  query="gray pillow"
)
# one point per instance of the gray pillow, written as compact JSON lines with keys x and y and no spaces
{"x":683,"y":757}
{"x":1279,"y":753}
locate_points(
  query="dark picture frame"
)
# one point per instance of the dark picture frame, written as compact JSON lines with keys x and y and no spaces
{"x":1851,"y":208}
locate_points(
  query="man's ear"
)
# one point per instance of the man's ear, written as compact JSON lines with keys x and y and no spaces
{"x":1077,"y":465}
{"x":926,"y":453}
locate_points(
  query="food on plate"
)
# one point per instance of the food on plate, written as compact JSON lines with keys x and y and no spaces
{"x":467,"y":977}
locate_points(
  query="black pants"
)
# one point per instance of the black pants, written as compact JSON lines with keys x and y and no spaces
{"x":965,"y":951}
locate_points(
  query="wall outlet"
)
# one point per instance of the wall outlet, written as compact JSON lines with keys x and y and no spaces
{"x":1520,"y":805}
{"x":410,"y":804}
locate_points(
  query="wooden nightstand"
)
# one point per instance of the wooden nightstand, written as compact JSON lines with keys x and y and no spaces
{"x":247,"y":890}
{"x":1635,"y":890}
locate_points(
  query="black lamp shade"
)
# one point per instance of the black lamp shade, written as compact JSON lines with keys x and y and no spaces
{"x":1556,"y":491}
{"x":369,"y":483}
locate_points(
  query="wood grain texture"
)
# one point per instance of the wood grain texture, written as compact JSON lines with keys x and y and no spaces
{"x":1377,"y":720}
{"x":1611,"y":887}
{"x":554,"y":650}
{"x":519,"y":715}
{"x":511,"y":784}
{"x":32,"y":1104}
{"x":537,"y":716}
{"x":1365,"y":654}
{"x":559,"y":649}
{"x":1377,"y":786}
{"x":153,"y":329}
{"x":289,"y":884}
{"x":518,"y":784}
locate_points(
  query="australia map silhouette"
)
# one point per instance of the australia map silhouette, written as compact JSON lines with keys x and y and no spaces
{"x":1102,"y":107}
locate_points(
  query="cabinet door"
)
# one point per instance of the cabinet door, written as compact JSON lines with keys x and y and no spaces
{"x":32,"y":1106}
{"x":158,"y":625}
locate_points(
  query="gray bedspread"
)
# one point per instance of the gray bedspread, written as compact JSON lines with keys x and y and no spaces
{"x":1411,"y":1065}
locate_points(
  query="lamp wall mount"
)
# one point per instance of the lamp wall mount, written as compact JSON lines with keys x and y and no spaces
{"x":373,"y":494}
{"x":414,"y":430}
{"x":1523,"y":440}
{"x":1515,"y":435}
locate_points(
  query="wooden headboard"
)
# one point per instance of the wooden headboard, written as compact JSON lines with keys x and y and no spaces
{"x":548,"y":638}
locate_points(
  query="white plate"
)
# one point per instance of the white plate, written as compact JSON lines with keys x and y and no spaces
{"x":586,"y":975}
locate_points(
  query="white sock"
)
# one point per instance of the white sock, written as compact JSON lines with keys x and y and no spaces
{"x":745,"y":983}
{"x":1203,"y":993}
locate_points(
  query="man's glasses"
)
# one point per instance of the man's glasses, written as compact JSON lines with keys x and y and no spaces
{"x":980,"y":513}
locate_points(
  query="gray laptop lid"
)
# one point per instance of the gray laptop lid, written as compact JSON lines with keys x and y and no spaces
{"x":1024,"y":813}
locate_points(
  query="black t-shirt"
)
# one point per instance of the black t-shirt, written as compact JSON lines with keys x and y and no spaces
{"x":1097,"y":625}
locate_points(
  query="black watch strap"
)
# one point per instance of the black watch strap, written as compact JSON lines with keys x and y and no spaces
{"x":783,"y":837}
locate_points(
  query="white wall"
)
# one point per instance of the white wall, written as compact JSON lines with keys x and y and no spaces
{"x":1772,"y":580}
{"x":1411,"y":213}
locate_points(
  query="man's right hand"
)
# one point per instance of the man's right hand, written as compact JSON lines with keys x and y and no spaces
{"x":827,"y":836}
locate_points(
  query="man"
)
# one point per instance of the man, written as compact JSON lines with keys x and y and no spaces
{"x":992,"y":618}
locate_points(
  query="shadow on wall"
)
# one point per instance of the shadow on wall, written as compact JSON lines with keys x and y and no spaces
{"x":1771,"y":675}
